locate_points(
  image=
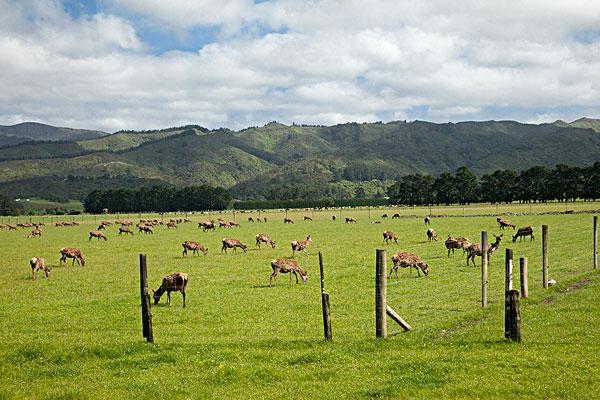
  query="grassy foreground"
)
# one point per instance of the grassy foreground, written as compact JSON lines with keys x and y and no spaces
{"x":77,"y":335}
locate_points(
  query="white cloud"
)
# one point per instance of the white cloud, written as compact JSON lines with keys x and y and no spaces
{"x":329,"y":62}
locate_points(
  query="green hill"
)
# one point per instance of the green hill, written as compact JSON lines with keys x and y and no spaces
{"x":34,"y":131}
{"x":256,"y":160}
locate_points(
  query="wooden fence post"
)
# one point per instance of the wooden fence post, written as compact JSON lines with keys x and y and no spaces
{"x":545,"y":255}
{"x":507,"y":289}
{"x":145,"y":297}
{"x":513,"y":314}
{"x":380,"y":294}
{"x":484,"y":267}
{"x":524,"y":277}
{"x":325,"y":303}
{"x":595,"y":242}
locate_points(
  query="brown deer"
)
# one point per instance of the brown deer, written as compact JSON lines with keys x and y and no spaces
{"x":307,"y":218}
{"x":389,"y":236}
{"x":176,"y":282}
{"x":97,"y":234}
{"x":125,"y":230}
{"x":234,"y":223}
{"x":453,"y":243}
{"x":224,"y":224}
{"x":74,"y":253}
{"x":384,"y":216}
{"x":395,"y":216}
{"x":262,"y":238}
{"x":408,"y":260}
{"x":427,"y":220}
{"x":145,"y":229}
{"x":287,"y":221}
{"x":350,"y":220}
{"x":287,"y":266}
{"x":34,"y":233}
{"x":250,"y":219}
{"x":194,"y":247}
{"x":233,"y":244}
{"x":474,"y":249}
{"x":505,"y":223}
{"x":11,"y":227}
{"x":300,"y":245}
{"x":37,"y":264}
{"x":431,"y":235}
{"x":522,"y":232}
{"x":172,"y":224}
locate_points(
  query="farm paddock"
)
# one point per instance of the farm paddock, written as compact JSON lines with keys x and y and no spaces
{"x":77,"y":334}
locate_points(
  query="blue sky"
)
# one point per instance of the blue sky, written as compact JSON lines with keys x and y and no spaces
{"x":143,"y":64}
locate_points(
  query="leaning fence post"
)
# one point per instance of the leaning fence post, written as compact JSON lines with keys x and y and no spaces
{"x":325,"y":303}
{"x":145,"y":297}
{"x":595,"y":242}
{"x":507,"y":289}
{"x":545,"y":255}
{"x":484,"y":267}
{"x":524,"y":277}
{"x":380,"y":294}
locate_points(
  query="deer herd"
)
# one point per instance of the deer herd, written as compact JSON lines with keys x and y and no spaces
{"x":178,"y":281}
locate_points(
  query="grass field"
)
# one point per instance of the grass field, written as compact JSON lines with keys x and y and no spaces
{"x":77,"y":335}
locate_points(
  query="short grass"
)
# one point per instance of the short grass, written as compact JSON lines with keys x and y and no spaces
{"x":78,"y":334}
{"x":41,"y":205}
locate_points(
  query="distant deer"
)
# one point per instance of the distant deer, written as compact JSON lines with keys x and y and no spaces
{"x":262,"y":238}
{"x":37,"y":264}
{"x":427,"y":220}
{"x":408,"y":260}
{"x":234,"y":223}
{"x":522,"y":232}
{"x":97,"y":234}
{"x":389,"y":236}
{"x":505,"y":223}
{"x":384,"y":216}
{"x":474,"y":249}
{"x":300,"y":245}
{"x":350,"y":220}
{"x":72,"y":252}
{"x":172,"y":224}
{"x":287,"y":221}
{"x":395,"y":216}
{"x":307,"y":218}
{"x":176,"y":282}
{"x":287,"y":266}
{"x":34,"y":233}
{"x":333,"y":217}
{"x":145,"y":229}
{"x":125,"y":230}
{"x":250,"y":219}
{"x":194,"y":247}
{"x":233,"y":244}
{"x":431,"y":235}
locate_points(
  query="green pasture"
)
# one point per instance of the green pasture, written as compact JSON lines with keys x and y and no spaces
{"x":77,"y":335}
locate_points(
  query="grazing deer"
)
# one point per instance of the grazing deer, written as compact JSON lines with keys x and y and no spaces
{"x":431,"y":235}
{"x":72,"y":252}
{"x":194,"y":247}
{"x":474,"y":249}
{"x":250,"y":219}
{"x":262,"y":238}
{"x":233,"y":244}
{"x":456,"y":243}
{"x":125,"y":230}
{"x":395,"y":216}
{"x":224,"y":224}
{"x":172,"y":224}
{"x":234,"y":223}
{"x":145,"y":229}
{"x":384,"y":216}
{"x":37,"y":264}
{"x":287,"y":221}
{"x":504,"y":223}
{"x":408,"y":260}
{"x":300,"y":245}
{"x":333,"y":217}
{"x":522,"y":232}
{"x":389,"y":236}
{"x":176,"y":282}
{"x":350,"y":220}
{"x":35,"y":232}
{"x":11,"y":227}
{"x":265,"y":218}
{"x":287,"y":266}
{"x":427,"y":220}
{"x":97,"y":234}
{"x":307,"y":218}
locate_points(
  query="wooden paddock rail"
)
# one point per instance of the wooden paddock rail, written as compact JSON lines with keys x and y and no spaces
{"x":325,"y":303}
{"x":381,"y":307}
{"x":145,"y":300}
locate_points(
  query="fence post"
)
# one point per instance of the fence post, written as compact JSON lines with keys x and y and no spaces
{"x":545,"y":255}
{"x":513,"y":314}
{"x":484,"y":267}
{"x":524,"y":277}
{"x":145,"y":297}
{"x":595,"y":242}
{"x":507,"y":289}
{"x":325,"y":303}
{"x":380,"y":294}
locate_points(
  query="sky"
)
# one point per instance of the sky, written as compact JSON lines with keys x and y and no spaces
{"x":146,"y":64}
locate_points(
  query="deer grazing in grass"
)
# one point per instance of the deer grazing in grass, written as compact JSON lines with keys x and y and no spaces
{"x":505,"y":223}
{"x":176,"y":282}
{"x":300,"y":245}
{"x":34,"y":233}
{"x":307,"y":218}
{"x":234,"y":223}
{"x":233,"y":244}
{"x":72,"y":252}
{"x":388,"y":236}
{"x":427,"y":220}
{"x":287,"y":266}
{"x":262,"y":238}
{"x":194,"y":247}
{"x":408,"y":260}
{"x":333,"y":217}
{"x":97,"y":234}
{"x":474,"y":250}
{"x":145,"y":229}
{"x":37,"y":264}
{"x":453,"y":243}
{"x":522,"y":232}
{"x":431,"y":235}
{"x":125,"y":230}
{"x":287,"y":221}
{"x":250,"y":219}
{"x":384,"y":216}
{"x":172,"y":224}
{"x":395,"y":216}
{"x":350,"y":220}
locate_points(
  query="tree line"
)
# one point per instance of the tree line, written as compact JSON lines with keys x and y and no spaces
{"x":158,"y":198}
{"x":536,"y":184}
